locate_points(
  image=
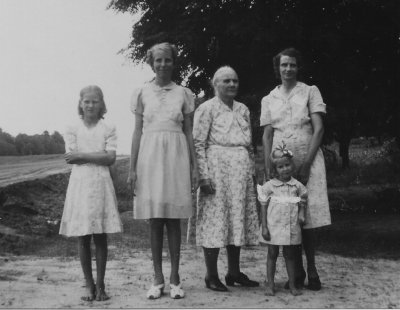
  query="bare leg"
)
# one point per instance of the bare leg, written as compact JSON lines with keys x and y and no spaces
{"x":85,"y":257}
{"x":174,"y":243}
{"x":156,"y":241}
{"x":100,"y":240}
{"x":289,"y":252}
{"x":273,"y":252}
{"x":233,"y":254}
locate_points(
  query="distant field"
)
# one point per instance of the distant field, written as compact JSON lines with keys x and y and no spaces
{"x":14,"y":169}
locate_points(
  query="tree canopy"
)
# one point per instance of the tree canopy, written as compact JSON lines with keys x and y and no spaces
{"x":351,"y":50}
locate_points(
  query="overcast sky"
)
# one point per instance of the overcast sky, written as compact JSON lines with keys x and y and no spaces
{"x":50,"y":49}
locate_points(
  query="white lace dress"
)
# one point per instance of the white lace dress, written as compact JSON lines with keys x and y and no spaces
{"x":90,"y":204}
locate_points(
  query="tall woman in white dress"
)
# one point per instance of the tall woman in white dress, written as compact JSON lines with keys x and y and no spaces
{"x":293,"y":113}
{"x":163,"y":168}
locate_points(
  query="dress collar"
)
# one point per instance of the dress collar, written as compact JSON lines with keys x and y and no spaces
{"x":277,"y":182}
{"x":169,"y":86}
{"x":234,"y":106}
{"x":277,"y":93}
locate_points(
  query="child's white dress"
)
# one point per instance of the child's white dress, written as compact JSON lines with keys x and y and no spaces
{"x":283,"y":211}
{"x":90,"y":204}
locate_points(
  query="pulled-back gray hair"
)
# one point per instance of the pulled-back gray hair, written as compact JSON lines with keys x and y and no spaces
{"x":218,"y":73}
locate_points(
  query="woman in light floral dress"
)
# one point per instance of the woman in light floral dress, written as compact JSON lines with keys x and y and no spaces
{"x":293,"y":112}
{"x":226,"y":211}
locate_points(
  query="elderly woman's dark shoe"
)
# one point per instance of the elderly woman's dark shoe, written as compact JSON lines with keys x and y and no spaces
{"x":214,"y":283}
{"x":314,"y":283}
{"x":241,"y":279}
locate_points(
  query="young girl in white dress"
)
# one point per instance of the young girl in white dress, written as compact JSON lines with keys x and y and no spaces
{"x":283,"y":200}
{"x":90,"y":207}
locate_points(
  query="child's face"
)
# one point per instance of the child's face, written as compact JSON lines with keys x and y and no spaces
{"x":284,"y":168}
{"x":91,"y":105}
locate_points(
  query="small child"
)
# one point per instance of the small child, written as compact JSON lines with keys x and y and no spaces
{"x":283,"y":200}
{"x":90,"y":207}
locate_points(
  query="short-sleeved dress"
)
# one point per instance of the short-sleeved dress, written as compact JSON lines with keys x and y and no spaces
{"x":290,"y":119}
{"x":222,"y":138}
{"x":90,"y":205}
{"x":283,"y":210}
{"x":163,"y":184}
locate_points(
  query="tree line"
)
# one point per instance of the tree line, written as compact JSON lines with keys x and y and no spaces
{"x":24,"y":144}
{"x":351,"y":48}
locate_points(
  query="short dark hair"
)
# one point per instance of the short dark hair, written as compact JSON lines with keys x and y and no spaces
{"x":291,"y":52}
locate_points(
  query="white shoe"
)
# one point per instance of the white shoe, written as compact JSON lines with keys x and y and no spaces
{"x":155,"y":291}
{"x":176,"y":291}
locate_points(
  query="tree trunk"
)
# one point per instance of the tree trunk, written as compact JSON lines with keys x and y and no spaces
{"x":344,"y":145}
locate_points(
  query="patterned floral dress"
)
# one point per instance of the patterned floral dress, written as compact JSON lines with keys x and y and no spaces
{"x":290,"y":119}
{"x":90,"y":205}
{"x":283,"y":210}
{"x":222,"y":138}
{"x":163,"y":185}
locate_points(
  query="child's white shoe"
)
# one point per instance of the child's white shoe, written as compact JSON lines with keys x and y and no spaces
{"x":176,"y":291}
{"x":155,"y":291}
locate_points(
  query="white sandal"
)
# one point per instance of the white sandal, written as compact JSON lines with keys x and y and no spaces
{"x":176,"y":291}
{"x":155,"y":291}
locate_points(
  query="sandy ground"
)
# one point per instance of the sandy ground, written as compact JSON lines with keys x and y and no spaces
{"x":33,"y":282}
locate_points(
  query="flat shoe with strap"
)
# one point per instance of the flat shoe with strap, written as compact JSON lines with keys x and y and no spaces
{"x":155,"y":291}
{"x":176,"y":291}
{"x":241,"y":279}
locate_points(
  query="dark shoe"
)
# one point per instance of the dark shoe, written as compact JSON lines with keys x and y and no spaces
{"x":241,"y":279}
{"x":314,"y":284}
{"x":298,"y":282}
{"x":213,"y":283}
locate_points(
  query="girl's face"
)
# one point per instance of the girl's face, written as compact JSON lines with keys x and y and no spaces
{"x":288,"y":68}
{"x":163,"y":64}
{"x":284,"y":169}
{"x":227,"y":84}
{"x":91,"y":105}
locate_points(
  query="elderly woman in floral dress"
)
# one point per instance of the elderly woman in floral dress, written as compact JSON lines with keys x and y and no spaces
{"x":226,"y":211}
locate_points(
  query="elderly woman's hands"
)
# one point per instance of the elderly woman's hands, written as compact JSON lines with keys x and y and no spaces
{"x":195,"y":179}
{"x":207,"y":188}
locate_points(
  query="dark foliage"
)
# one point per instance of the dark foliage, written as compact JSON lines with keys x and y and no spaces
{"x":24,"y":144}
{"x":351,"y":48}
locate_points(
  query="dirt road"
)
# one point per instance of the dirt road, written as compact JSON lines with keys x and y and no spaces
{"x":23,"y":168}
{"x":33,"y":282}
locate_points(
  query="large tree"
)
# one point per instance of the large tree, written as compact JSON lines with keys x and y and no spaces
{"x":351,"y":49}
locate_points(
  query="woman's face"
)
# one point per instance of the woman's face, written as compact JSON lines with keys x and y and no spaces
{"x":163,"y":64}
{"x":227,"y":84}
{"x":288,"y":68}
